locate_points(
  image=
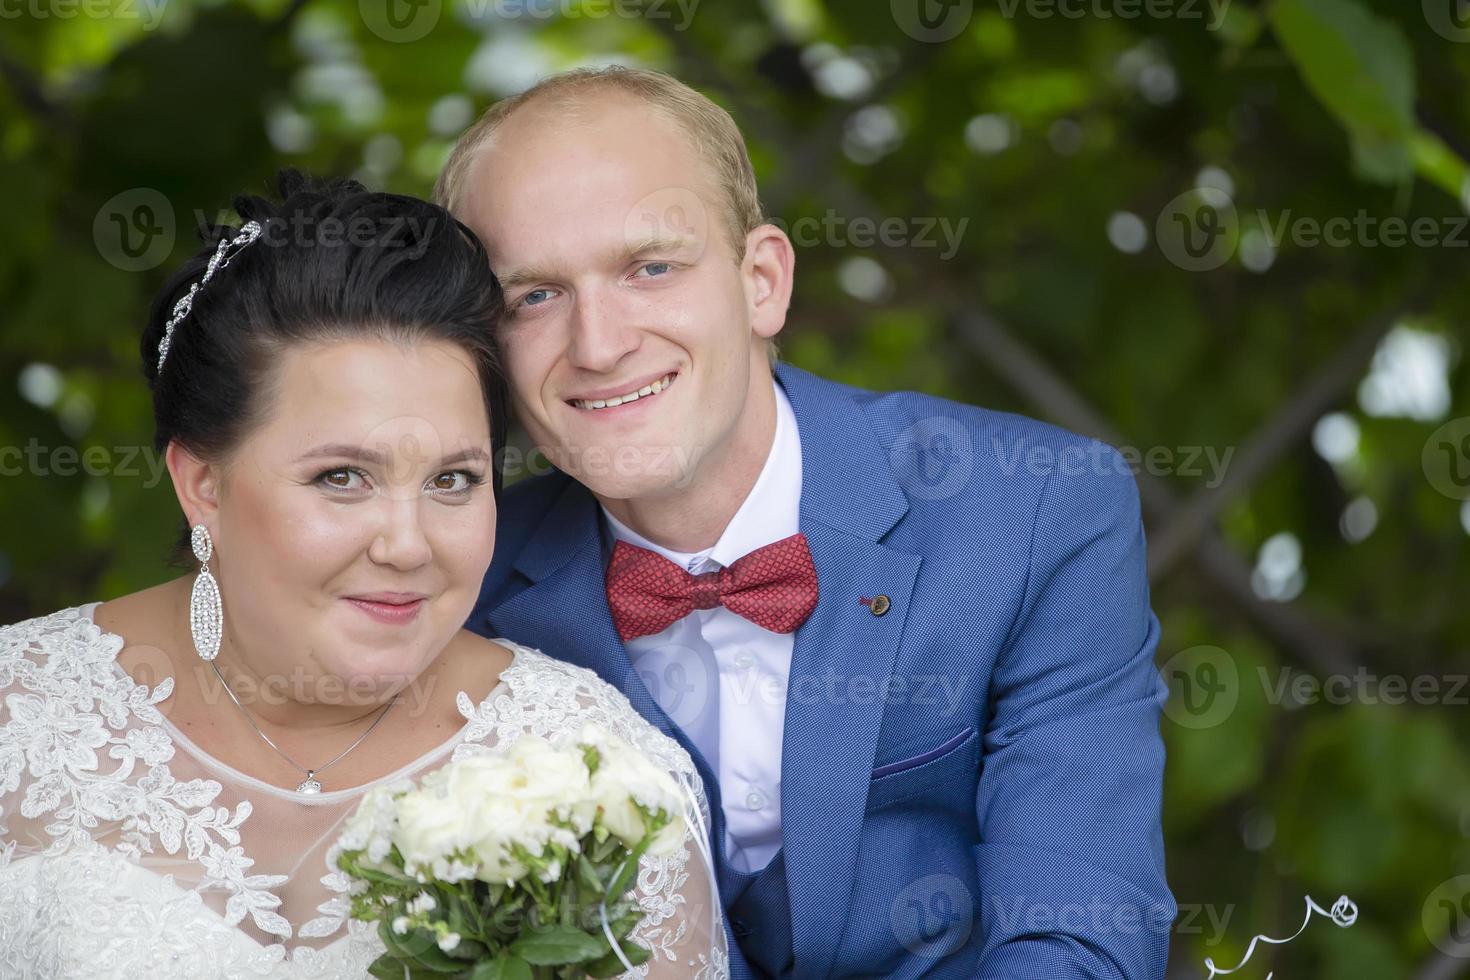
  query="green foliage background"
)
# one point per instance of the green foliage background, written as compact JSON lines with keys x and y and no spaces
{"x":1062,"y":141}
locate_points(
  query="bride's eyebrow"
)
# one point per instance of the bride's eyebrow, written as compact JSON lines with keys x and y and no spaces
{"x":361,"y":454}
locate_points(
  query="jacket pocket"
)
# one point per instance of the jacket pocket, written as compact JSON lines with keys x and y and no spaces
{"x":956,"y":757}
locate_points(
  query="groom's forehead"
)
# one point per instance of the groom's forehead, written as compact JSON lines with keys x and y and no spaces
{"x":591,"y":166}
{"x":539,"y":231}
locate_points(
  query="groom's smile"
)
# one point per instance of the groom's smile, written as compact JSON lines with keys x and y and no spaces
{"x":620,"y":396}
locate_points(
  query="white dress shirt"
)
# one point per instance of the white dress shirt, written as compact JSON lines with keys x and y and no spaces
{"x":722,"y":678}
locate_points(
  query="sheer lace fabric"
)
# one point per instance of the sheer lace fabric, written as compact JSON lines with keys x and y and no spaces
{"x":127,"y":851}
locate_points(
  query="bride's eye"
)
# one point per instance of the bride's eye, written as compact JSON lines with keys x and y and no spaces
{"x":343,"y":478}
{"x":456,"y":483}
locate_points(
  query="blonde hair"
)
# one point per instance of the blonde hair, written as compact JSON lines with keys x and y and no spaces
{"x":709,"y":129}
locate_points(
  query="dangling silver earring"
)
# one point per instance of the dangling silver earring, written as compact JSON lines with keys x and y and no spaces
{"x":206,"y":616}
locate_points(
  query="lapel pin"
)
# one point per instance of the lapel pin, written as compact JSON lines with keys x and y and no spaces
{"x":877,"y":605}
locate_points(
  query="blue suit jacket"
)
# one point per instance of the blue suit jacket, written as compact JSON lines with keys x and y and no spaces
{"x":970,"y":780}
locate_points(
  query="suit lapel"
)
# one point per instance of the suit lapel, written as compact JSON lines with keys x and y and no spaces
{"x":564,"y":609}
{"x":842,"y":657}
{"x":832,"y":727}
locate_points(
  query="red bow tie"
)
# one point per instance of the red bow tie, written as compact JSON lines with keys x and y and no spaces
{"x":774,"y":587}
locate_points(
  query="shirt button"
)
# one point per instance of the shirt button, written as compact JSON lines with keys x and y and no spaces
{"x":754,"y":800}
{"x":744,"y":660}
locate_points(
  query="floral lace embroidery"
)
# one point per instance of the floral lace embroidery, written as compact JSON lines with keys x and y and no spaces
{"x":65,"y":703}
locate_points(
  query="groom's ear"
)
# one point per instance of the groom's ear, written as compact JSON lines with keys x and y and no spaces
{"x":768,"y":271}
{"x":196,"y":483}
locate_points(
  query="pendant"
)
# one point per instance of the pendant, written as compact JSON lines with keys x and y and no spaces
{"x":310,"y":787}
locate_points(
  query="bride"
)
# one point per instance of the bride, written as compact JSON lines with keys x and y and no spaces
{"x":175,"y":764}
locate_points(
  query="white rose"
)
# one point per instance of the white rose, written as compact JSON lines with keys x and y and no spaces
{"x":491,"y":801}
{"x":430,"y":825}
{"x":532,"y":782}
{"x":625,"y":778}
{"x":552,"y":779}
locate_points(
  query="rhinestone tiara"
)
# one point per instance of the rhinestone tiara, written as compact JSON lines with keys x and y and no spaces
{"x":228,"y":249}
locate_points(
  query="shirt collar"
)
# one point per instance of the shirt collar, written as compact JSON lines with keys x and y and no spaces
{"x":770,"y":512}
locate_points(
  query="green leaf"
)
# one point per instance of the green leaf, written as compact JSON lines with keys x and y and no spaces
{"x":419,"y":947}
{"x":588,"y":879}
{"x":556,"y":946}
{"x":610,"y":966}
{"x":387,"y":967}
{"x":503,"y":967}
{"x":1440,"y":165}
{"x":1361,"y":68}
{"x":383,"y":877}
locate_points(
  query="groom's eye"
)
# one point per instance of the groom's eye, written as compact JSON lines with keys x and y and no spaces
{"x":535,"y":297}
{"x":655,"y":269}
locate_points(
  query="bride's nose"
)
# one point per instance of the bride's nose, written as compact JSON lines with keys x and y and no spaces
{"x":399,"y":540}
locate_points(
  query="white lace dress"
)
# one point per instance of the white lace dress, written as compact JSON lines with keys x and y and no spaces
{"x":127,"y":852}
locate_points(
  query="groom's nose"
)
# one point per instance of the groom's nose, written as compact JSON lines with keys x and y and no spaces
{"x":600,"y":334}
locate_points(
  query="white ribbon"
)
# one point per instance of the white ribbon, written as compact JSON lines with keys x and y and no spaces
{"x":1344,"y":913}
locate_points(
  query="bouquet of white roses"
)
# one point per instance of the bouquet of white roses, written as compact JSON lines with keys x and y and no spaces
{"x":513,"y":864}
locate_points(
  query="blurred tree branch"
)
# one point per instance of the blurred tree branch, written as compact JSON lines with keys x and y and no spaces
{"x":1284,"y":431}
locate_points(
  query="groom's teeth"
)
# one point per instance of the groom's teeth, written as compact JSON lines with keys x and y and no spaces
{"x":632,"y":396}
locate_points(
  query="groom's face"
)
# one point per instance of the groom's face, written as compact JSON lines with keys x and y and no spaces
{"x":610,"y":236}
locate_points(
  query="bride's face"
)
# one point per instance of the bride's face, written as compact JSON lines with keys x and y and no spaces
{"x":357,"y":520}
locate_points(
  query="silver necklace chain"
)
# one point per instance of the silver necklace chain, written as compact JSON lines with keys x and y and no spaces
{"x":309,"y":786}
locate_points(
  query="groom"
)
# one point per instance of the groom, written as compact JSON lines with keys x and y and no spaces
{"x":907,"y":641}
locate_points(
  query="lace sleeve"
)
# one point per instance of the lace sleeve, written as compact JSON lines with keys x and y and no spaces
{"x":683,"y":923}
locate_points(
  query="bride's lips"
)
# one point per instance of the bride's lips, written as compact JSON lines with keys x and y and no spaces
{"x":391,"y":608}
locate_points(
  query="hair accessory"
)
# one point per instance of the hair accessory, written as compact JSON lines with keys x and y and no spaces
{"x":249,"y":232}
